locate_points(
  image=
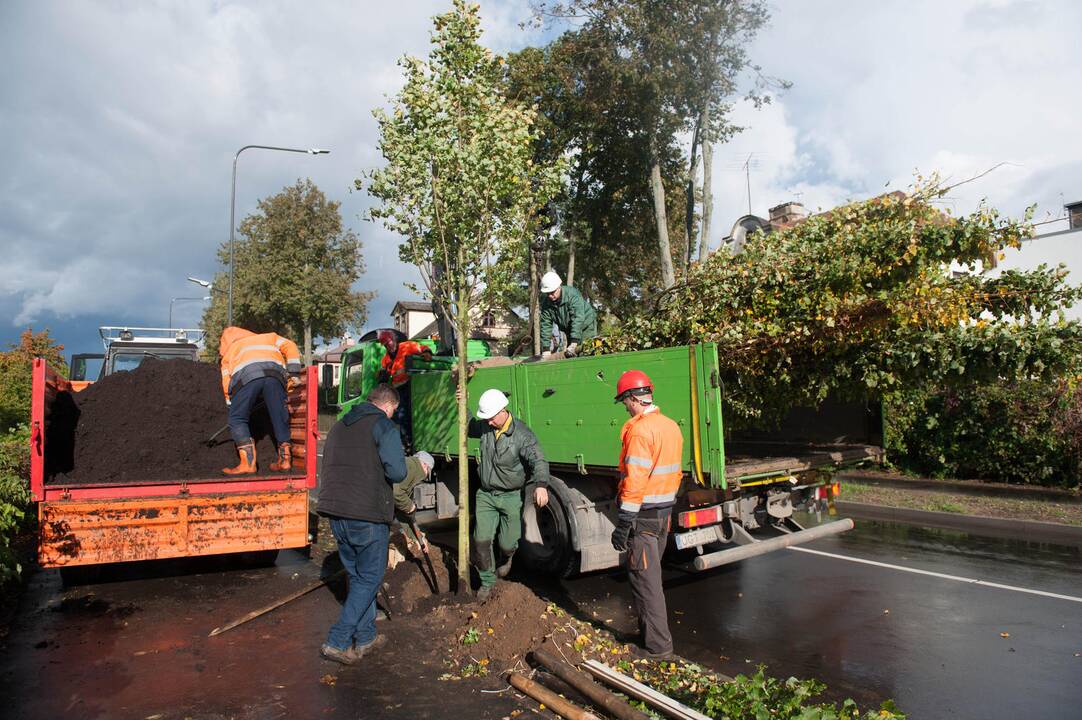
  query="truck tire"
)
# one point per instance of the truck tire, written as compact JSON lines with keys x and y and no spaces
{"x":555,"y":554}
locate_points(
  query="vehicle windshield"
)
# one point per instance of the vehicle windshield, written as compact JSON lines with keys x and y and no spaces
{"x":130,"y":359}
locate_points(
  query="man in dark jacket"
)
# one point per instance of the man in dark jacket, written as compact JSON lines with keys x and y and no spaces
{"x":569,"y":310}
{"x":509,"y":453}
{"x":362,"y":459}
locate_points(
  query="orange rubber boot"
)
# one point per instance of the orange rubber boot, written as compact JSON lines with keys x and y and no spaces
{"x":247,"y":460}
{"x":285,"y":458}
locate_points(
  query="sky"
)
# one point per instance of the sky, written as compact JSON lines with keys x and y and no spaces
{"x":123,"y":119}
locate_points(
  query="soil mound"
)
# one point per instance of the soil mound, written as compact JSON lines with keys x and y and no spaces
{"x":504,"y":628}
{"x":149,"y":424}
{"x":410,"y":582}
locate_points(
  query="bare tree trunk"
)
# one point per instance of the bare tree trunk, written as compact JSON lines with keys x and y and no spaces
{"x":571,"y":259}
{"x":689,"y":204}
{"x":535,"y":300}
{"x":307,"y":342}
{"x":462,"y":321}
{"x":657,"y":189}
{"x":708,"y":194}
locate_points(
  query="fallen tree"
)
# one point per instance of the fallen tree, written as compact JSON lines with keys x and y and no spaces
{"x":868,"y":299}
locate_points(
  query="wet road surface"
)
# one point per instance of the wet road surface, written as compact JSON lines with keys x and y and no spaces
{"x":869,"y":632}
{"x":135,"y":645}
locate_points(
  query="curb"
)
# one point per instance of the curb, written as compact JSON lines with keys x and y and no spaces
{"x":1027,"y":530}
{"x":964,"y":487}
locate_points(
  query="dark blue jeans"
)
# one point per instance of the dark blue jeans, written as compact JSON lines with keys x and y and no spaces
{"x":362,"y":546}
{"x":244,"y":400}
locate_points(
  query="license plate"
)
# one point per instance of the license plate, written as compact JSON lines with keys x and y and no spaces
{"x":694,"y":538}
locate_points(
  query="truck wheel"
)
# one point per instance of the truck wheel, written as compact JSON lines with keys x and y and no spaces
{"x":546,"y":540}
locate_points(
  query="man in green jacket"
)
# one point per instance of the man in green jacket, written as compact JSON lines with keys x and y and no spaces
{"x":509,"y":454}
{"x":569,"y":310}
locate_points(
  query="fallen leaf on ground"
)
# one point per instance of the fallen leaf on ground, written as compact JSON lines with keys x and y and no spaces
{"x":1004,"y":634}
{"x":329,"y":680}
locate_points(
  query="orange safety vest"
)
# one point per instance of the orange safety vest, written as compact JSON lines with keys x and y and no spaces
{"x":397,"y":368}
{"x":240,"y":348}
{"x":650,"y":462}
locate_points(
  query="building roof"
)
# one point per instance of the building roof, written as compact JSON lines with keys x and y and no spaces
{"x":333,"y":354}
{"x":412,"y":306}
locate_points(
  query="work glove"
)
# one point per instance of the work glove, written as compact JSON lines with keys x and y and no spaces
{"x":228,"y":402}
{"x":572,"y":350}
{"x":622,"y":532}
{"x":293,"y":382}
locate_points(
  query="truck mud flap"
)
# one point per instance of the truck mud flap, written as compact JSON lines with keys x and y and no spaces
{"x":761,"y":547}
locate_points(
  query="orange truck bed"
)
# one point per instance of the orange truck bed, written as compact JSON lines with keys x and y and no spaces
{"x":91,"y":524}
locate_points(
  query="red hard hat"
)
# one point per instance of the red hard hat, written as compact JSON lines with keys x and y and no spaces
{"x":387,"y":337}
{"x":635,"y":382}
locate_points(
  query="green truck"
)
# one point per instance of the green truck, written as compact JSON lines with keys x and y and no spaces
{"x":740,"y":489}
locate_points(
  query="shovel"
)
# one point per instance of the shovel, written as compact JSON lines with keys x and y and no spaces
{"x":423,"y":542}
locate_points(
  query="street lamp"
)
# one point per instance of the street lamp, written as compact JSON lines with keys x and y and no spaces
{"x":176,"y":299}
{"x":233,"y":208}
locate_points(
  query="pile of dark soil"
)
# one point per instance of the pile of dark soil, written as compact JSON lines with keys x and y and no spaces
{"x":409,"y":584}
{"x":149,"y":424}
{"x":500,"y":631}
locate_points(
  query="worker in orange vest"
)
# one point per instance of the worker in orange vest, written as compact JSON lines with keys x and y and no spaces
{"x":255,"y":367}
{"x":651,"y":458}
{"x":394,"y":373}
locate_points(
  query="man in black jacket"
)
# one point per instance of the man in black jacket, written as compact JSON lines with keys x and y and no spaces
{"x":362,"y":460}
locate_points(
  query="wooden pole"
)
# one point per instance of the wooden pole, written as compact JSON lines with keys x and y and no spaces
{"x":551,"y":700}
{"x":275,"y":605}
{"x":647,"y":694}
{"x":599,"y":696}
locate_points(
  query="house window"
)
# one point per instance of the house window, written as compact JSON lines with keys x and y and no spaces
{"x":488,"y":319}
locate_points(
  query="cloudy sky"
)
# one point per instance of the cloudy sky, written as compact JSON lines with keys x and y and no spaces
{"x":123,"y":118}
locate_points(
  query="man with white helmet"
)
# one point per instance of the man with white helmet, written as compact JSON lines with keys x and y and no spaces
{"x":510,"y":456}
{"x":565,"y":307}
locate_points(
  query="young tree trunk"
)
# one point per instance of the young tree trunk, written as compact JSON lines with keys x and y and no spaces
{"x":462,"y":321}
{"x":571,"y":259}
{"x":657,"y":189}
{"x":708,"y":199}
{"x":307,"y":342}
{"x":535,"y":301}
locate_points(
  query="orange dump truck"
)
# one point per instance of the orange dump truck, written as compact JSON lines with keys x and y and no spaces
{"x":88,"y":524}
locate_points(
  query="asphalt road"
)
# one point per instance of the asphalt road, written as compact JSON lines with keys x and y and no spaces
{"x":135,"y":645}
{"x":931,"y":643}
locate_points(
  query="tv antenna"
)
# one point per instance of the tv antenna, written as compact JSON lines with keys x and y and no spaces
{"x":747,"y":178}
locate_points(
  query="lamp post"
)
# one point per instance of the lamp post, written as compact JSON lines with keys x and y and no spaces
{"x":233,"y":208}
{"x":203,"y":299}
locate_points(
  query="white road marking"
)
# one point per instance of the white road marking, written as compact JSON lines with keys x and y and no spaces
{"x":956,"y":578}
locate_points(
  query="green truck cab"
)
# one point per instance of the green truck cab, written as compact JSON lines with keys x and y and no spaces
{"x":735,"y":483}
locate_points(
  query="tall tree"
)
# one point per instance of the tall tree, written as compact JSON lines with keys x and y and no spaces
{"x":295,"y":270}
{"x":660,"y":72}
{"x":461,"y":187}
{"x":15,"y":368}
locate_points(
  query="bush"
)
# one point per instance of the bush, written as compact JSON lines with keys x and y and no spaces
{"x":15,"y":517}
{"x":1027,"y":432}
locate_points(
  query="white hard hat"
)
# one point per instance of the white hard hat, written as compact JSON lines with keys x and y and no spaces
{"x":492,"y":401}
{"x":550,"y":281}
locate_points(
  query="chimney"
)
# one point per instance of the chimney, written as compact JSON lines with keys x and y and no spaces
{"x":1074,"y":214}
{"x":787,"y":214}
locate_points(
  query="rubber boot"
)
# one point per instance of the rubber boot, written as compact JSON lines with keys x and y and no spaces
{"x":246,"y":451}
{"x":285,"y":458}
{"x":504,"y":570}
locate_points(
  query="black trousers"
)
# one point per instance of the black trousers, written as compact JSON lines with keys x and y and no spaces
{"x":645,"y":548}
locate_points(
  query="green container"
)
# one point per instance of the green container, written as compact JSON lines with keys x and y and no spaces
{"x":569,"y":405}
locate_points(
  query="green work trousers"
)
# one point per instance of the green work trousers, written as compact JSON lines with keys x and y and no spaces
{"x":498,"y":518}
